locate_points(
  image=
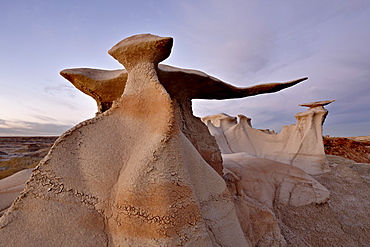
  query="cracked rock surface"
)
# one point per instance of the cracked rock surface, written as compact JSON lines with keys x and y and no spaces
{"x":328,"y":208}
{"x":146,"y":172}
{"x":128,"y":177}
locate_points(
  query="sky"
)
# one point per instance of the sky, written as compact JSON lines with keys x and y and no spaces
{"x":243,"y":43}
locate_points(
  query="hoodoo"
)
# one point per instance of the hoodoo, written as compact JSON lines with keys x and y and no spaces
{"x":146,"y":172}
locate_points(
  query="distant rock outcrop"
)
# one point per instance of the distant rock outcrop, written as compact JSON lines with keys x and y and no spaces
{"x":271,"y":169}
{"x":328,"y":208}
{"x":354,"y":148}
{"x":299,"y":145}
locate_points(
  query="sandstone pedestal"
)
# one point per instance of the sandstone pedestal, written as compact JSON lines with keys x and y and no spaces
{"x":144,"y":171}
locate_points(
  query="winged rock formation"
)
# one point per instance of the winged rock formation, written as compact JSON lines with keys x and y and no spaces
{"x":144,"y":171}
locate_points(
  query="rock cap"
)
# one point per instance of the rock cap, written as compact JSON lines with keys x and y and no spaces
{"x":317,"y":103}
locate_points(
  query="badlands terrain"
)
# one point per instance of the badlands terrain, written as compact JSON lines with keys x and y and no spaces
{"x":135,"y":175}
{"x":18,"y":153}
{"x":349,"y":161}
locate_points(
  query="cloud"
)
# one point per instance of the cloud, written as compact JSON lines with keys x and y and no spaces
{"x":263,"y":42}
{"x":240,"y":42}
{"x":24,"y":128}
{"x":61,"y":90}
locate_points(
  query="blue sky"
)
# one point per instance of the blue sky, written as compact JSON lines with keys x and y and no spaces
{"x":241,"y":42}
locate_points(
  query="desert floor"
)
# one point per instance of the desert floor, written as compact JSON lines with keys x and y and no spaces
{"x":18,"y":153}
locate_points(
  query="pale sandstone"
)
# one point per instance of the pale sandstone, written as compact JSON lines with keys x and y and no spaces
{"x":10,"y":188}
{"x":299,"y":145}
{"x":253,"y":172}
{"x":137,"y":173}
{"x":360,"y":138}
{"x":270,"y":182}
{"x":329,"y":208}
{"x":259,"y":185}
{"x":342,"y":221}
{"x":126,"y":177}
{"x":131,"y":176}
{"x":182,"y":85}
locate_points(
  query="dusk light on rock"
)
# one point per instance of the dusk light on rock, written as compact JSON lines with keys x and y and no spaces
{"x":185,"y":123}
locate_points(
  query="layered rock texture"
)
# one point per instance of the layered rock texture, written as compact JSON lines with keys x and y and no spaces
{"x":11,"y":187}
{"x":146,"y":172}
{"x":299,"y":145}
{"x":354,"y":148}
{"x":143,"y":172}
{"x":271,"y":171}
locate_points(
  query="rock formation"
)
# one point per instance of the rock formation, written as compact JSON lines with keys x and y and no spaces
{"x":299,"y":145}
{"x":254,"y":171}
{"x":182,"y":85}
{"x":250,"y":156}
{"x":137,"y":173}
{"x":10,"y":188}
{"x":146,"y":172}
{"x":328,"y":208}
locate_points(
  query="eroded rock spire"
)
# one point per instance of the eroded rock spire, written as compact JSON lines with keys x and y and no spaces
{"x":182,"y":85}
{"x":137,"y":174}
